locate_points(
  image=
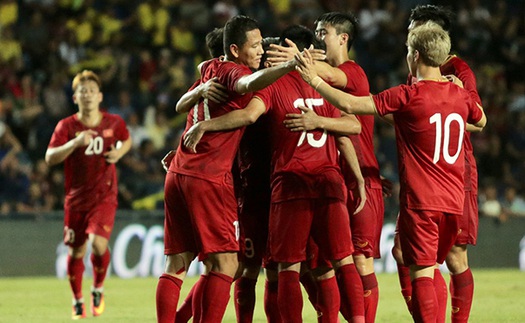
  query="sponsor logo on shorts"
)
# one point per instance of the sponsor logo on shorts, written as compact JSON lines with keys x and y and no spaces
{"x":107,"y":228}
{"x":362,"y":244}
{"x":368,"y":293}
{"x":455,"y":309}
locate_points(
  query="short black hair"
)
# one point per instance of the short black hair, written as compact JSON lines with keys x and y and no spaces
{"x":300,"y":35}
{"x":343,"y":23}
{"x":235,"y":31}
{"x":438,"y":14}
{"x":214,"y":42}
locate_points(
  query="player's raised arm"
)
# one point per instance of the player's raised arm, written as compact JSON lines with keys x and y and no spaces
{"x":341,"y":100}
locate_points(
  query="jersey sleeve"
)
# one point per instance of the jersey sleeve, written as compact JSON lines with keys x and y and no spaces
{"x":231,"y":73}
{"x":475,"y":114}
{"x":121,"y":131}
{"x":466,"y":75}
{"x":265,"y":95}
{"x":391,"y":100}
{"x":60,"y":135}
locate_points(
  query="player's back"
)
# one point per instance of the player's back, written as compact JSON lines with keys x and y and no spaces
{"x":300,"y":159}
{"x":430,"y":128}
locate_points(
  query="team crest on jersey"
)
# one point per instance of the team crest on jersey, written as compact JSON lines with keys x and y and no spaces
{"x":107,"y":133}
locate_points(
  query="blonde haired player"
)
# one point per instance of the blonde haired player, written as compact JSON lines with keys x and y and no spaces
{"x":89,"y":143}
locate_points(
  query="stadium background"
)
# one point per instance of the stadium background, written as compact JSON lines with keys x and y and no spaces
{"x":146,"y":53}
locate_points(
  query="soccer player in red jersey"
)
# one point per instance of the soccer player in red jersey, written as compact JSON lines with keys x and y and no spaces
{"x":200,"y":205}
{"x":338,"y":31}
{"x":308,"y":191}
{"x":462,"y":281}
{"x":430,"y":119}
{"x":89,"y":143}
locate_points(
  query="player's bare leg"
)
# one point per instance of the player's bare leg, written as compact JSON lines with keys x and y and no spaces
{"x":351,"y":290}
{"x":365,"y":268}
{"x":461,"y":283}
{"x":169,"y":285}
{"x":100,"y":258}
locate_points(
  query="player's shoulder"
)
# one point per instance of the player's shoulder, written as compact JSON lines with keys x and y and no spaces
{"x":351,"y":66}
{"x":111,"y":117}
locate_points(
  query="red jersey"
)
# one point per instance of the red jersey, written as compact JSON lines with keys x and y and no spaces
{"x":357,"y":84}
{"x":216,"y":150}
{"x":89,"y":179}
{"x":430,"y":125}
{"x":458,"y":67}
{"x":304,"y":164}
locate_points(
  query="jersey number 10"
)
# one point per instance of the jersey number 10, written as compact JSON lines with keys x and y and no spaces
{"x":443,"y":134}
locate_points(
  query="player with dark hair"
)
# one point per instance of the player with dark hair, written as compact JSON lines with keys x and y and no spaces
{"x":462,"y":281}
{"x":89,"y":143}
{"x":308,"y":191}
{"x":430,"y":119}
{"x":214,"y":42}
{"x":200,"y":205}
{"x":338,"y":31}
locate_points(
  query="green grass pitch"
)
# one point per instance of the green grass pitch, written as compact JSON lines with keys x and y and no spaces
{"x":499,"y":297}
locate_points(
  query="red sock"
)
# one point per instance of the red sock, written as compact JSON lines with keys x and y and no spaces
{"x":289,"y":296}
{"x":167,"y":297}
{"x":75,"y":271}
{"x":198,"y":292}
{"x":424,"y":300}
{"x":371,"y":293}
{"x":310,"y":286}
{"x":351,"y":290}
{"x":184,"y":312}
{"x":462,"y":293}
{"x":403,"y":272}
{"x":100,"y":268}
{"x":440,"y":285}
{"x":328,"y":300}
{"x":244,"y":299}
{"x":215,"y":297}
{"x":271,"y":307}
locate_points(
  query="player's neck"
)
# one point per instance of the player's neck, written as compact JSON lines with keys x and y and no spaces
{"x":429,"y":73}
{"x":90,"y":118}
{"x":338,"y":59}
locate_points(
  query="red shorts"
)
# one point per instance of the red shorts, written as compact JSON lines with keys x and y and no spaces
{"x":293,"y":222}
{"x":426,"y":236}
{"x":367,"y":225}
{"x":253,"y":218}
{"x":469,"y":221}
{"x":200,"y":216}
{"x":79,"y":224}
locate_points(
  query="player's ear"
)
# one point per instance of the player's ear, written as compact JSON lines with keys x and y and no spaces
{"x":344,"y":38}
{"x":416,"y":55}
{"x":234,"y":49}
{"x":74,"y":99}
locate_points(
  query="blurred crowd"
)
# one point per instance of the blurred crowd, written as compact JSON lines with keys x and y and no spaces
{"x":146,"y":53}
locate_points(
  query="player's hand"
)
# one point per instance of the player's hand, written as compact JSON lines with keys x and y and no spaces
{"x":113,"y":155}
{"x":362,"y":196}
{"x":387,"y":186}
{"x":192,"y":137}
{"x":85,"y":137}
{"x":278,"y":54}
{"x":305,"y":66}
{"x":454,"y":79}
{"x":304,"y":121}
{"x":215,"y":91}
{"x":166,"y":161}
